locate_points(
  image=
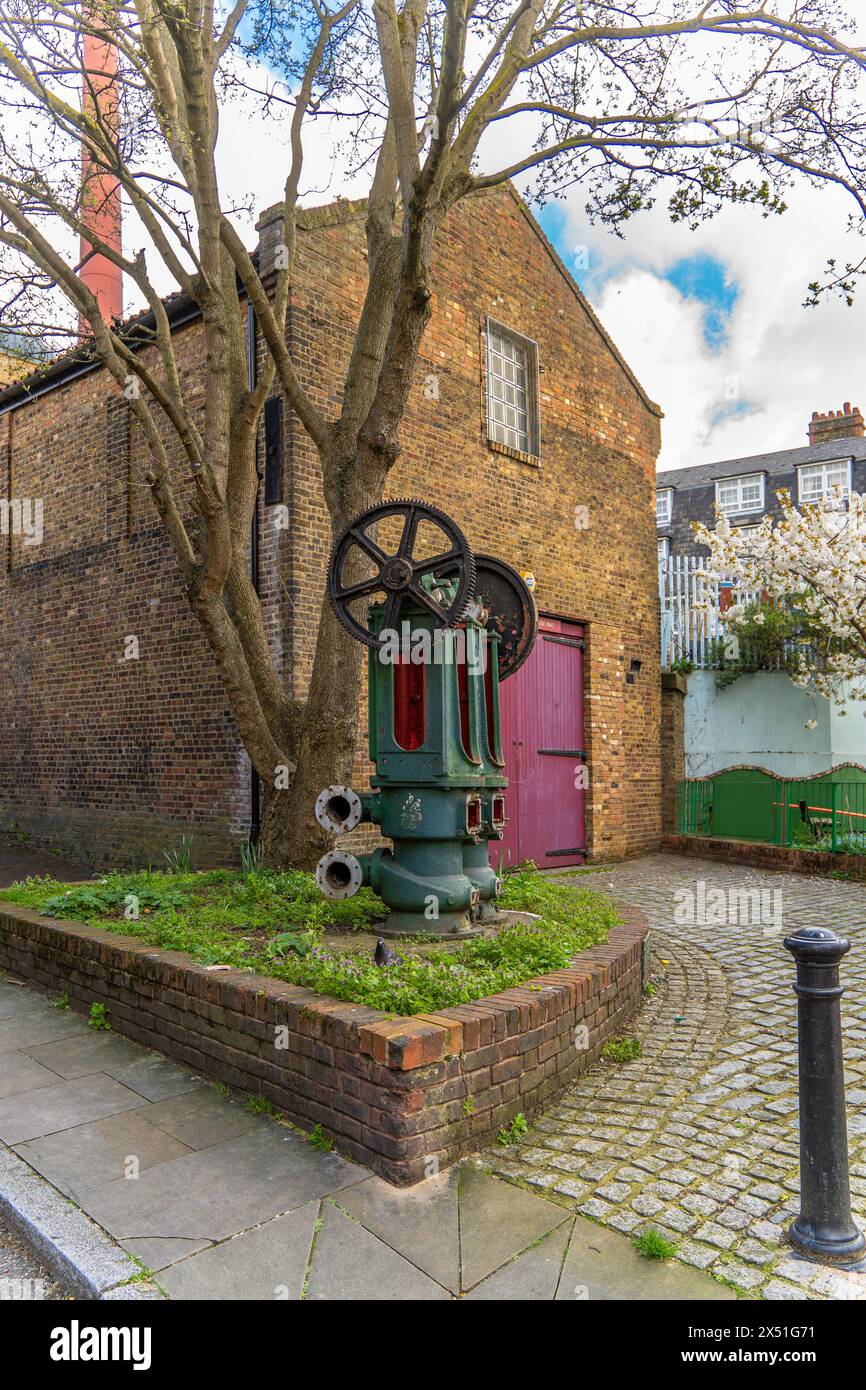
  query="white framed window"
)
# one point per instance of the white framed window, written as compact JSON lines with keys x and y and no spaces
{"x":512,"y":390}
{"x":664,"y":549}
{"x":814,"y":480}
{"x":744,"y":494}
{"x":664,"y":505}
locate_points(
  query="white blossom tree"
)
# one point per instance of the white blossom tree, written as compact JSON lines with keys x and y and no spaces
{"x":811,"y":563}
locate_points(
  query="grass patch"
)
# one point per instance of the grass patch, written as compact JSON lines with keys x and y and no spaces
{"x":653,"y":1246}
{"x":621,"y":1049}
{"x":511,"y":1133}
{"x":260,"y":1105}
{"x":273,"y":922}
{"x":318,"y":1139}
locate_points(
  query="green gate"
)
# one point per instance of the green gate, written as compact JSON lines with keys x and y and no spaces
{"x":825,"y":812}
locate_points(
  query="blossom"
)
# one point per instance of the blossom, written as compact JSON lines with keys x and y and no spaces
{"x":816,"y":553}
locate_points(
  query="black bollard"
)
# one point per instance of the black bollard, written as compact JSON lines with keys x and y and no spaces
{"x":824,"y":1229}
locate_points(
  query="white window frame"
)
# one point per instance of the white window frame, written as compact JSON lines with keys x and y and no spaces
{"x":741,"y":508}
{"x":497,"y":431}
{"x":823,"y":464}
{"x":668,"y":494}
{"x":664,"y":549}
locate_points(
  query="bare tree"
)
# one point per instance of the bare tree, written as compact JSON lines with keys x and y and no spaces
{"x":720,"y":101}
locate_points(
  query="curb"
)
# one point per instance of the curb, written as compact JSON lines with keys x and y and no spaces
{"x":86,"y":1260}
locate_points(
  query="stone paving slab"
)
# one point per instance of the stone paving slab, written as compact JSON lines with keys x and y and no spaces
{"x":68,"y":1103}
{"x":600,"y":1266}
{"x":91,"y":1155}
{"x":202,"y":1118}
{"x":18,"y":999}
{"x":41,"y":1024}
{"x":154,"y":1077}
{"x":269,"y":1262}
{"x":220,"y":1191}
{"x":698,"y":1136}
{"x":350,"y":1263}
{"x":158,"y":1253}
{"x":18,"y":1072}
{"x":422,"y":1223}
{"x":533,"y":1276}
{"x":494,"y":1228}
{"x":84,"y":1053}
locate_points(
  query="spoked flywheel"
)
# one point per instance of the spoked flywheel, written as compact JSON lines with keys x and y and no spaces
{"x":510,"y":611}
{"x":383,"y":556}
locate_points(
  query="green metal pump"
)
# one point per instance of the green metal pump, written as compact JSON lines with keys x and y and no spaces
{"x":443,"y":628}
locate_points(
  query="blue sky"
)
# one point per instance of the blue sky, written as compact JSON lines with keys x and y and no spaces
{"x":701,"y":277}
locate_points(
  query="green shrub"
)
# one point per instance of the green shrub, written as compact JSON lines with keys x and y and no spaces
{"x":621,"y":1049}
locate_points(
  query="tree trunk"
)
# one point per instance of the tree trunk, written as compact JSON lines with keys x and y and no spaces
{"x":290,"y":835}
{"x":325,"y":749}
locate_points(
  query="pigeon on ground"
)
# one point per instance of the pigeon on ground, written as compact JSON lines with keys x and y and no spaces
{"x":383,"y":955}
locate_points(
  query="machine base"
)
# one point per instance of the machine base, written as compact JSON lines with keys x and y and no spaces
{"x":450,"y":926}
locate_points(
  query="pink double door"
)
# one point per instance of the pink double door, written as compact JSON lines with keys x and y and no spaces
{"x":544,"y":749}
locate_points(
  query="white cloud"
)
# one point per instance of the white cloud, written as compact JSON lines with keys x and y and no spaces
{"x":779,"y":361}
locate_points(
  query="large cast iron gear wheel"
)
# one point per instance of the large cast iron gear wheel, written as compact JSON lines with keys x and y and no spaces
{"x":511,"y":611}
{"x":397,"y":575}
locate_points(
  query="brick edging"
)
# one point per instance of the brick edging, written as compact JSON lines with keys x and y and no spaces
{"x":403,"y":1095}
{"x":785,"y":858}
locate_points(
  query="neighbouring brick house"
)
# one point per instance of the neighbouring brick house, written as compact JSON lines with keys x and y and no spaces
{"x":108,"y":756}
{"x":746,"y":488}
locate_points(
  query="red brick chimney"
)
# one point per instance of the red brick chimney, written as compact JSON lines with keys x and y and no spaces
{"x":846,"y":423}
{"x":100,"y":192}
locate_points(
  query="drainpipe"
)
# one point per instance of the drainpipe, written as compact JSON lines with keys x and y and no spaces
{"x":255,"y":786}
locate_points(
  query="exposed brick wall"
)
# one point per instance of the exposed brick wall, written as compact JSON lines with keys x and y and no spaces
{"x":112,"y":757}
{"x":101,"y":754}
{"x":599,"y":440}
{"x":392,"y":1092}
{"x":782,"y":857}
{"x":674,"y":690}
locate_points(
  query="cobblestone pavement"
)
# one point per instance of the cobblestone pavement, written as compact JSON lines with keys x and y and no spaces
{"x":697,"y":1137}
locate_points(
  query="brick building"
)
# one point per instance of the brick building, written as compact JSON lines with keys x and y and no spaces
{"x":525,"y":425}
{"x":746,"y":488}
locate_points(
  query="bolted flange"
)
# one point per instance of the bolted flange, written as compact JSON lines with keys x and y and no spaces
{"x":338,"y":809}
{"x":339,"y":874}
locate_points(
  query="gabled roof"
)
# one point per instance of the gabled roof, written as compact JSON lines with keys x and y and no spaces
{"x":776,"y":464}
{"x":81,"y":359}
{"x":137,"y":330}
{"x":584,"y":303}
{"x":343,"y":210}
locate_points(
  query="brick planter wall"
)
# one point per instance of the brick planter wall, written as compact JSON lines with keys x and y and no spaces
{"x":799,"y":861}
{"x":392,"y":1092}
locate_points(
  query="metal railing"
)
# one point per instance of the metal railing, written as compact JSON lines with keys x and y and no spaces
{"x":813,"y":813}
{"x":693,"y":624}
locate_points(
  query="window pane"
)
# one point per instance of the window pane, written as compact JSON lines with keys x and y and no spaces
{"x":728,"y":496}
{"x":508,"y":404}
